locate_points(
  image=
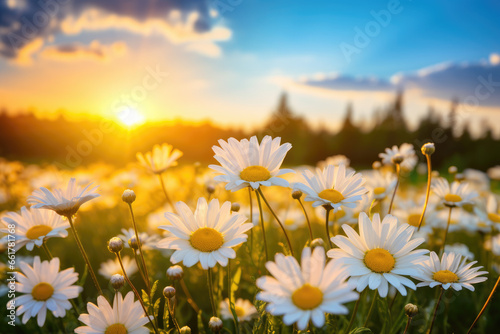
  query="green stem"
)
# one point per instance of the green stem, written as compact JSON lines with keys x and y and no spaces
{"x":277,"y":219}
{"x":371,"y":308}
{"x":171,"y":311}
{"x":435,"y":311}
{"x":251,"y":219}
{"x":84,"y":254}
{"x":262,"y":223}
{"x":446,"y":231}
{"x":165,"y":191}
{"x":188,"y":297}
{"x":353,"y":316}
{"x":230,"y":297}
{"x":398,"y":171}
{"x":47,"y":251}
{"x":407,"y":325}
{"x":485,"y":305}
{"x":307,"y":219}
{"x":427,"y":192}
{"x":211,"y":291}
{"x":139,"y":244}
{"x":327,"y":217}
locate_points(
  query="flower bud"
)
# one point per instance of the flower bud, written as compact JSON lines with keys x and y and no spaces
{"x":318,"y":242}
{"x":452,"y":169}
{"x":128,"y":196}
{"x":117,"y":281}
{"x":169,"y":292}
{"x":115,"y":245}
{"x":428,"y":149}
{"x":459,"y":177}
{"x":175,"y":272}
{"x":376,"y":165}
{"x":297,"y":194}
{"x":210,"y":189}
{"x":435,"y":174}
{"x":132,"y":242}
{"x":235,"y":207}
{"x":411,"y":310}
{"x":215,"y":324}
{"x":185,"y":330}
{"x":397,"y":159}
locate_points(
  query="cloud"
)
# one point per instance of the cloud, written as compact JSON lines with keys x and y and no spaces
{"x":179,"y":21}
{"x":76,"y":52}
{"x":473,"y":83}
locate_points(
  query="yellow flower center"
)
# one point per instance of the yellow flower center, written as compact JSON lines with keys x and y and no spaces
{"x":414,"y":219}
{"x":38,"y":231}
{"x":289,"y":222}
{"x":494,"y":217}
{"x":452,"y":198}
{"x":255,"y":174}
{"x":42,"y":291}
{"x":206,"y":239}
{"x":331,"y":195}
{"x":307,"y":297}
{"x":240,"y":311}
{"x":379,"y":190}
{"x":379,"y":260}
{"x":116,"y":329}
{"x":445,"y":276}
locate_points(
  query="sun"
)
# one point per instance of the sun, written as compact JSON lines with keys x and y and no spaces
{"x":131,"y":117}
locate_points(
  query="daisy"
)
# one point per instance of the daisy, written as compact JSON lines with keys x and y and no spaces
{"x":335,"y":160}
{"x":460,"y":249}
{"x":112,"y":267}
{"x":293,"y":218}
{"x":379,"y":255}
{"x":124,"y":317}
{"x":147,"y":241}
{"x":33,"y":226}
{"x":452,"y":271}
{"x":45,"y":288}
{"x":63,"y":202}
{"x":305,"y":292}
{"x":408,"y":213}
{"x":332,"y":186}
{"x":381,"y":185}
{"x":244,"y":309}
{"x":206,"y":236}
{"x":160,"y":158}
{"x":245,"y":163}
{"x":456,"y":194}
{"x":406,"y":151}
{"x":491,"y":215}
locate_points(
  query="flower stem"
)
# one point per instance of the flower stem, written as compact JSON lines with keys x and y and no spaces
{"x":353,"y":316}
{"x":139,"y":244}
{"x":371,"y":308}
{"x":84,"y":254}
{"x":262,"y":223}
{"x":47,"y":251}
{"x":398,"y":171}
{"x":307,"y":219}
{"x":165,"y":191}
{"x":428,"y":191}
{"x":172,"y":315}
{"x":435,"y":311}
{"x":327,"y":216}
{"x":189,"y":298}
{"x":277,"y":219}
{"x":211,"y":291}
{"x":407,"y":325}
{"x":484,"y":306}
{"x":446,"y":231}
{"x":135,"y":291}
{"x":230,"y":297}
{"x":251,"y":219}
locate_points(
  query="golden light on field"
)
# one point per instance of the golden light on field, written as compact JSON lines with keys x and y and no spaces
{"x":131,"y":117}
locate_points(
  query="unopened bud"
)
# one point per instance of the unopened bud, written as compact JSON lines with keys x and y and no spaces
{"x":132,"y":242}
{"x":175,"y":272}
{"x":115,"y":245}
{"x":210,"y":189}
{"x":397,"y":159}
{"x":128,"y":196}
{"x":169,"y":292}
{"x":376,"y":165}
{"x":411,"y":310}
{"x":117,"y":281}
{"x":215,"y":324}
{"x":318,"y":242}
{"x":185,"y":330}
{"x":235,"y":207}
{"x":452,"y":169}
{"x":459,"y":177}
{"x":435,"y":174}
{"x":428,"y":149}
{"x":297,"y":194}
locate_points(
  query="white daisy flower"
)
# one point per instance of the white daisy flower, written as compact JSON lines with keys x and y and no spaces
{"x":45,"y":288}
{"x":160,"y":158}
{"x":244,"y":309}
{"x":305,"y":292}
{"x":245,"y":163}
{"x":406,"y":151}
{"x":207,"y":236}
{"x":33,"y":226}
{"x":491,"y":215}
{"x":452,"y":271}
{"x":460,"y":249}
{"x":335,"y":160}
{"x":112,"y":267}
{"x":293,"y":218}
{"x":381,"y":254}
{"x":124,"y":317}
{"x":147,"y":241}
{"x":332,"y":186}
{"x":381,"y":185}
{"x":408,"y":213}
{"x":456,"y":194}
{"x":63,"y":202}
{"x":494,"y":172}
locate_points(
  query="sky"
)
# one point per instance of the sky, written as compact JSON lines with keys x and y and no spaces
{"x":229,"y":60}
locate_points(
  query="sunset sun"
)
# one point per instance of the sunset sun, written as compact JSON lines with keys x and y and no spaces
{"x":131,"y":117}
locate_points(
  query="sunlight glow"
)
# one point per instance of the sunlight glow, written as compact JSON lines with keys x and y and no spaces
{"x":131,"y":117}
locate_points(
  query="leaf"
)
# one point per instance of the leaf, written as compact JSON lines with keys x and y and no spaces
{"x":360,"y":330}
{"x":145,"y":299}
{"x":156,"y":307}
{"x":154,"y":288}
{"x":201,"y":327}
{"x":260,"y":323}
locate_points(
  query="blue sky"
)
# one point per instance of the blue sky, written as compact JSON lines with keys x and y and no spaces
{"x":225,"y":64}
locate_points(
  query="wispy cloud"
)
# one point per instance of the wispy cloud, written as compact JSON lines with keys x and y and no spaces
{"x":95,"y":51}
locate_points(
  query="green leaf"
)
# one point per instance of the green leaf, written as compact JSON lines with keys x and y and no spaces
{"x":154,"y":288}
{"x":360,"y":330}
{"x":145,"y":299}
{"x":156,"y":307}
{"x":260,"y":323}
